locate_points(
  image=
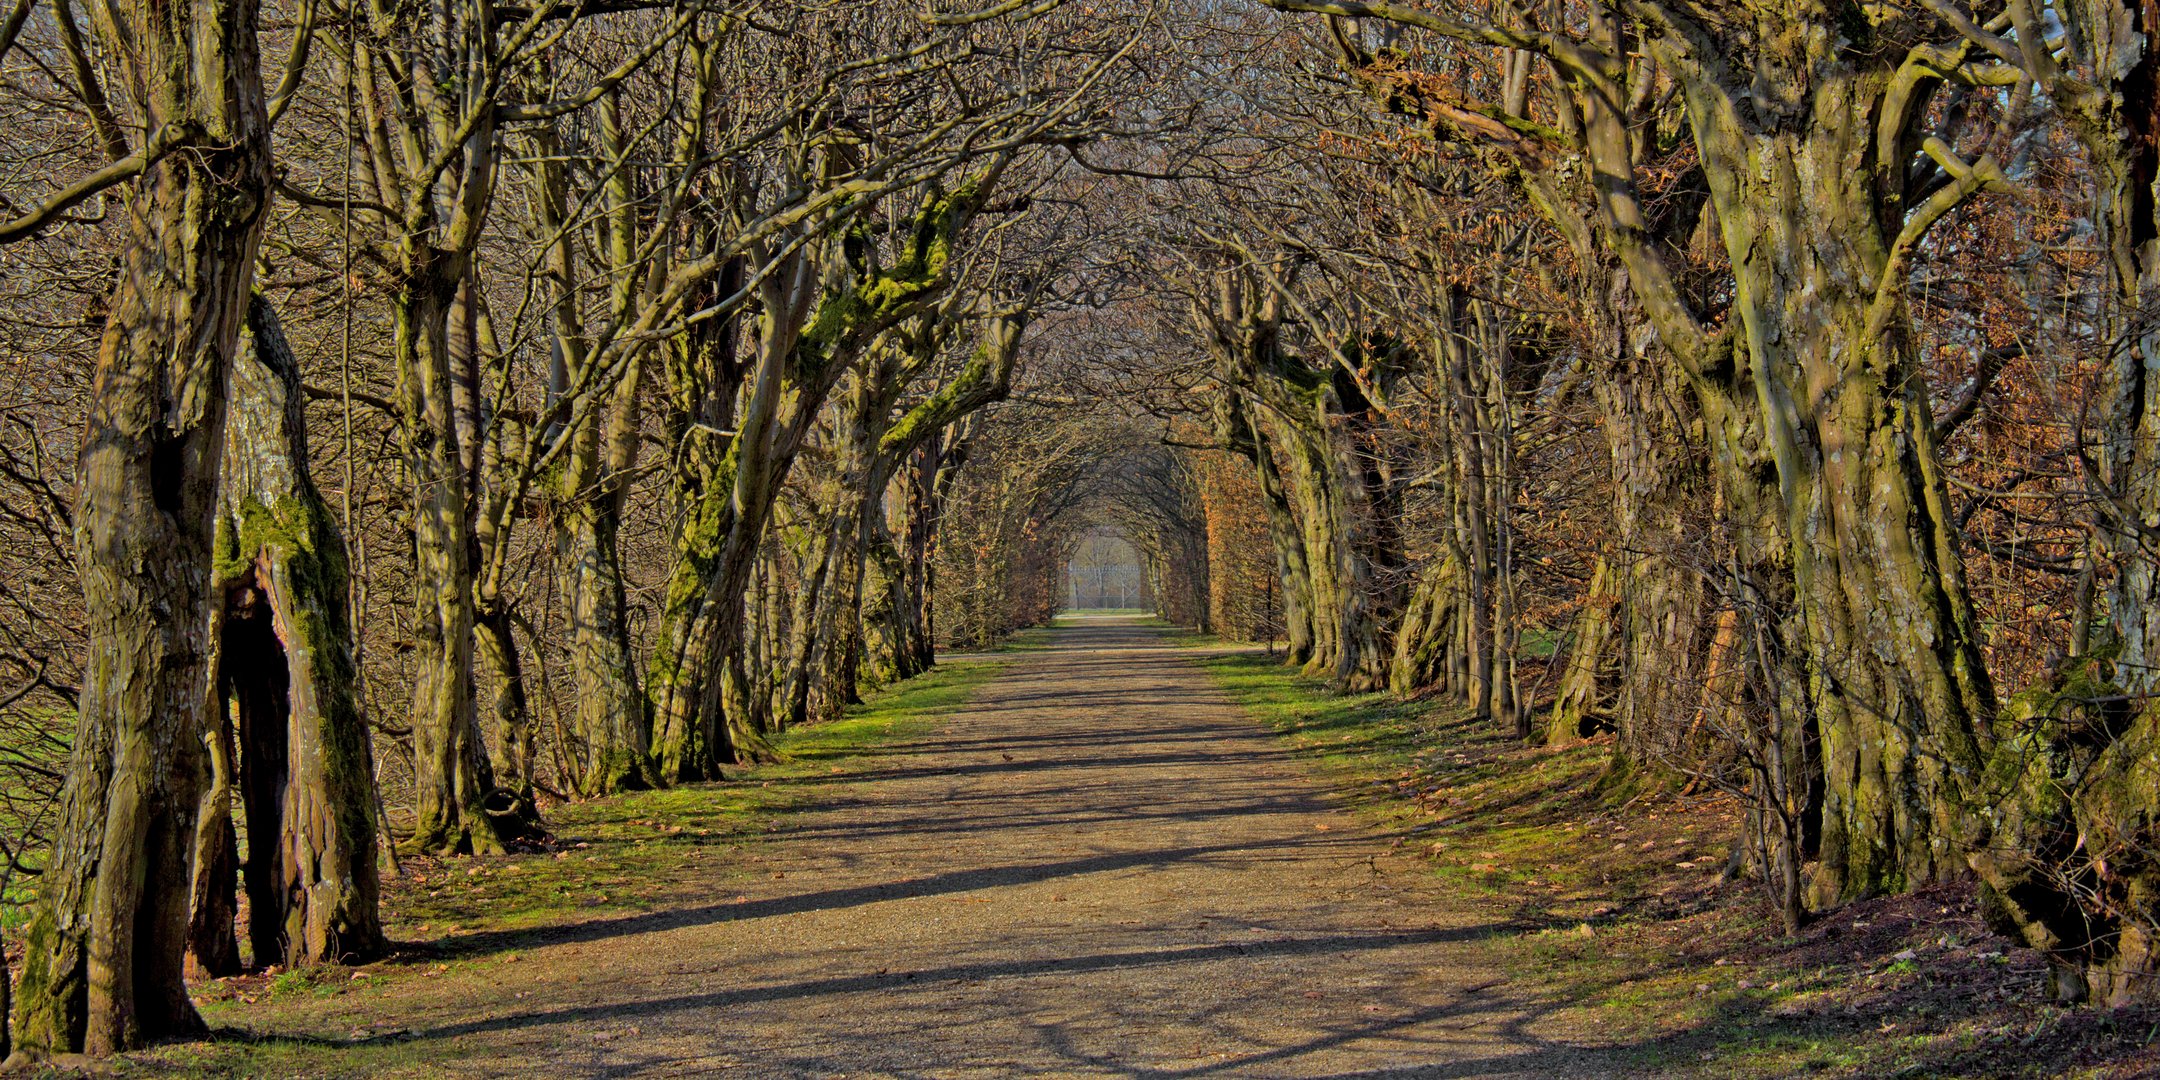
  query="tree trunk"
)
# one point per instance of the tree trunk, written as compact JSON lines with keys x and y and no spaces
{"x":1583,"y":705}
{"x":451,"y":781}
{"x":812,"y":597}
{"x":306,"y":765}
{"x":1896,"y":673}
{"x":611,"y":717}
{"x":512,"y":802}
{"x":1427,"y":639}
{"x":2066,"y":858}
{"x":105,"y":952}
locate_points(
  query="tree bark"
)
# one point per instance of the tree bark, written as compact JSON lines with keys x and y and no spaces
{"x":452,"y":778}
{"x":2066,"y":853}
{"x":306,"y":765}
{"x":213,"y":938}
{"x":105,"y":951}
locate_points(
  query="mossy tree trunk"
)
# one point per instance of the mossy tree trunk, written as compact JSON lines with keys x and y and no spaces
{"x":306,"y":765}
{"x":1313,"y":418}
{"x":814,"y":566}
{"x":452,"y":776}
{"x":1638,"y":651}
{"x":105,"y":951}
{"x":2067,"y":849}
{"x":853,"y":615}
{"x":818,"y":318}
{"x":1897,"y":675}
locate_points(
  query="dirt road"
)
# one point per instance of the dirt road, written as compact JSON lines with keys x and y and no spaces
{"x":1099,"y":867}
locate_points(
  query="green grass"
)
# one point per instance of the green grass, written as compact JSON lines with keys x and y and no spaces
{"x":1604,"y":884}
{"x":626,"y":854}
{"x":609,"y":858}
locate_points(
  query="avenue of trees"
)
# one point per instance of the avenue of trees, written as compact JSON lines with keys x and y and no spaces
{"x":419,"y":414}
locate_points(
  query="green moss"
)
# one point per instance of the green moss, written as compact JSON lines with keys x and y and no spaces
{"x":882,"y":296}
{"x":49,"y":1001}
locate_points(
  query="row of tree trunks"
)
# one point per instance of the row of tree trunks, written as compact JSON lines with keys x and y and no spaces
{"x":1339,"y":557}
{"x":858,"y":622}
{"x":1863,"y":631}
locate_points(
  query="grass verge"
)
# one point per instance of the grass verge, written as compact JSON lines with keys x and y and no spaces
{"x":1624,"y":916}
{"x":608,"y":860}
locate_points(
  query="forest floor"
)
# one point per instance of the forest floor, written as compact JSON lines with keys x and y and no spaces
{"x":1099,"y":864}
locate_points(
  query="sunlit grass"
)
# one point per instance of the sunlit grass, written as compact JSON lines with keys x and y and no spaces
{"x":608,"y":858}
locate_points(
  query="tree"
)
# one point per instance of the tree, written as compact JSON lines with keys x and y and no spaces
{"x":103,"y":967}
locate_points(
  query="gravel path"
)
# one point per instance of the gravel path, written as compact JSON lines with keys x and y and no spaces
{"x":1099,"y":867}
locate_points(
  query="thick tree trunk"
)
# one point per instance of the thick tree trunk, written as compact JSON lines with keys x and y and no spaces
{"x":888,"y":605}
{"x":1584,"y":702}
{"x":697,"y":664}
{"x":1896,"y":674}
{"x":2066,"y":856}
{"x":306,"y":765}
{"x":1427,"y":638}
{"x":105,"y":952}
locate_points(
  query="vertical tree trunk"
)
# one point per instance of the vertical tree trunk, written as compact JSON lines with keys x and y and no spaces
{"x":306,"y":766}
{"x":2066,"y":854}
{"x":105,"y":951}
{"x":1897,"y":677}
{"x":451,"y":784}
{"x":512,"y":801}
{"x":812,"y":596}
{"x":612,"y":720}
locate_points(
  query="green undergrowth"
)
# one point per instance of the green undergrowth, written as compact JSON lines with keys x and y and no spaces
{"x":1614,"y":905}
{"x":617,"y":858}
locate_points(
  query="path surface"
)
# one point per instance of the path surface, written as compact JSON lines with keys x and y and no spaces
{"x":1100,"y":867}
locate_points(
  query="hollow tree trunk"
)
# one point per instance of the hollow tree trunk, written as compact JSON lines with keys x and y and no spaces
{"x":213,"y":940}
{"x":306,"y":765}
{"x":104,"y":954}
